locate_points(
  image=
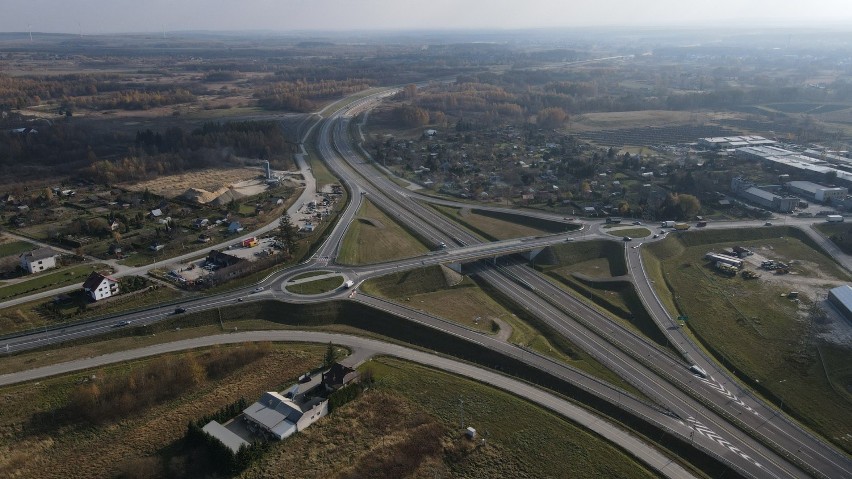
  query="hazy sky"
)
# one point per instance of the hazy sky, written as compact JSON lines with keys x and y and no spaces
{"x":106,"y":16}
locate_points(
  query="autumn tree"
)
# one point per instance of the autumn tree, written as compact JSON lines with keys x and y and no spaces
{"x":551,"y":118}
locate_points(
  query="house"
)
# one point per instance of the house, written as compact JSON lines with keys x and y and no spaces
{"x":116,"y":250}
{"x":235,"y":227}
{"x":38,"y":260}
{"x":201,"y":223}
{"x":100,"y":287}
{"x":156,"y":213}
{"x":156,"y":246}
{"x":203,"y":238}
{"x":221,"y":259}
{"x":338,"y":376}
{"x":281,"y":416}
{"x":114,"y":225}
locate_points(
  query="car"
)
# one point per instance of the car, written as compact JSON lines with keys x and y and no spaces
{"x":768,"y":223}
{"x":258,"y":289}
{"x":570,"y":239}
{"x":120,"y":324}
{"x":656,"y":236}
{"x":637,"y":223}
{"x":240,"y":299}
{"x":180,"y":310}
{"x":627,"y":238}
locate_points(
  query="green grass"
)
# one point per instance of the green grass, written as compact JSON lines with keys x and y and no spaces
{"x":310,"y":274}
{"x":50,"y":280}
{"x":429,"y":289}
{"x":33,"y":314}
{"x":533,"y":443}
{"x":751,"y":329}
{"x":839,"y":234}
{"x":486,"y":227}
{"x":316,"y":287}
{"x":14,"y":248}
{"x":632,"y":232}
{"x":374,"y":237}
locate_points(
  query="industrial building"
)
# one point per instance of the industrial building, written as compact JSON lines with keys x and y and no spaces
{"x":747,"y":191}
{"x":841,"y":298}
{"x":721,"y":142}
{"x":817,"y":192}
{"x":793,"y":162}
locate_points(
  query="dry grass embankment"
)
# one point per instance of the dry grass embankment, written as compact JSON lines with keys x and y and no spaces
{"x":375,"y":237}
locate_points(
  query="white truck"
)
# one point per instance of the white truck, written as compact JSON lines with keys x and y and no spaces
{"x":698,"y":370}
{"x":348,"y":284}
{"x":668,"y":224}
{"x":834,"y":219}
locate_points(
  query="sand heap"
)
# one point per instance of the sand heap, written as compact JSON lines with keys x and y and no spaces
{"x":219,"y":197}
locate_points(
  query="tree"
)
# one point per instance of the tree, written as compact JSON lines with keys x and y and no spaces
{"x":330,"y":356}
{"x":287,"y":233}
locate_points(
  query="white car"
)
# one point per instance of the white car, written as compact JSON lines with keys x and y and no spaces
{"x":258,"y":289}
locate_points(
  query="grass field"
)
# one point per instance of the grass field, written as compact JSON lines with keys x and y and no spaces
{"x":429,"y":289}
{"x":583,"y":268}
{"x":632,"y":232}
{"x":33,"y":315}
{"x":14,"y":248}
{"x":316,"y":287}
{"x":408,"y":425}
{"x":771,"y":342}
{"x":46,"y":280}
{"x":37,"y":440}
{"x":486,"y":227}
{"x":374,"y":237}
{"x":409,"y":406}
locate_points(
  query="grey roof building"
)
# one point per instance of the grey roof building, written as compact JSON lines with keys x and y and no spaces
{"x":841,"y":298}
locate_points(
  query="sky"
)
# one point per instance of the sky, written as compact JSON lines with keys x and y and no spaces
{"x":117,"y":16}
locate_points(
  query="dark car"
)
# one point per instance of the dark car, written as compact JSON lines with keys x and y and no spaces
{"x":627,"y":238}
{"x":180,"y":310}
{"x":120,"y":324}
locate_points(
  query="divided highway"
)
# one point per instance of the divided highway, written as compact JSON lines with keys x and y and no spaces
{"x":744,"y":432}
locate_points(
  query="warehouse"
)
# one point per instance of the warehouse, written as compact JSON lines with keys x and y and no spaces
{"x":817,"y":192}
{"x":841,"y":298}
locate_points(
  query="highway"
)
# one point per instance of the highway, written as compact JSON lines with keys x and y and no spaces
{"x":364,"y":347}
{"x":745,"y":432}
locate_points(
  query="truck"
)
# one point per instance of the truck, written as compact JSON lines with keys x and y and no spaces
{"x":250,"y":242}
{"x":667,"y":224}
{"x":348,"y":284}
{"x":834,"y":219}
{"x":613,"y":220}
{"x":698,"y":370}
{"x":681,"y":226}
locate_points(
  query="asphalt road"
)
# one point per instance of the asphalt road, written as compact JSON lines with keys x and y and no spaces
{"x":363,"y":347}
{"x":727,"y":425}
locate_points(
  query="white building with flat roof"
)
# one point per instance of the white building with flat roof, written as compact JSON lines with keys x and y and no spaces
{"x":814,"y":191}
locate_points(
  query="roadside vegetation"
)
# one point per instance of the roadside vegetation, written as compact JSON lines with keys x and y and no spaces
{"x":776,"y":345}
{"x":375,"y":237}
{"x":449,"y":295}
{"x":409,"y":425}
{"x":127,"y":420}
{"x":486,"y":227}
{"x":595,"y":272}
{"x":318,"y":286}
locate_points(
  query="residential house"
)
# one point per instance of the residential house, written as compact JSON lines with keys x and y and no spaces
{"x":38,"y":260}
{"x":222,"y":260}
{"x":281,"y":416}
{"x":99,"y":286}
{"x":156,"y":213}
{"x":156,"y":246}
{"x":203,"y":238}
{"x":235,"y":227}
{"x":338,"y":376}
{"x":201,"y":223}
